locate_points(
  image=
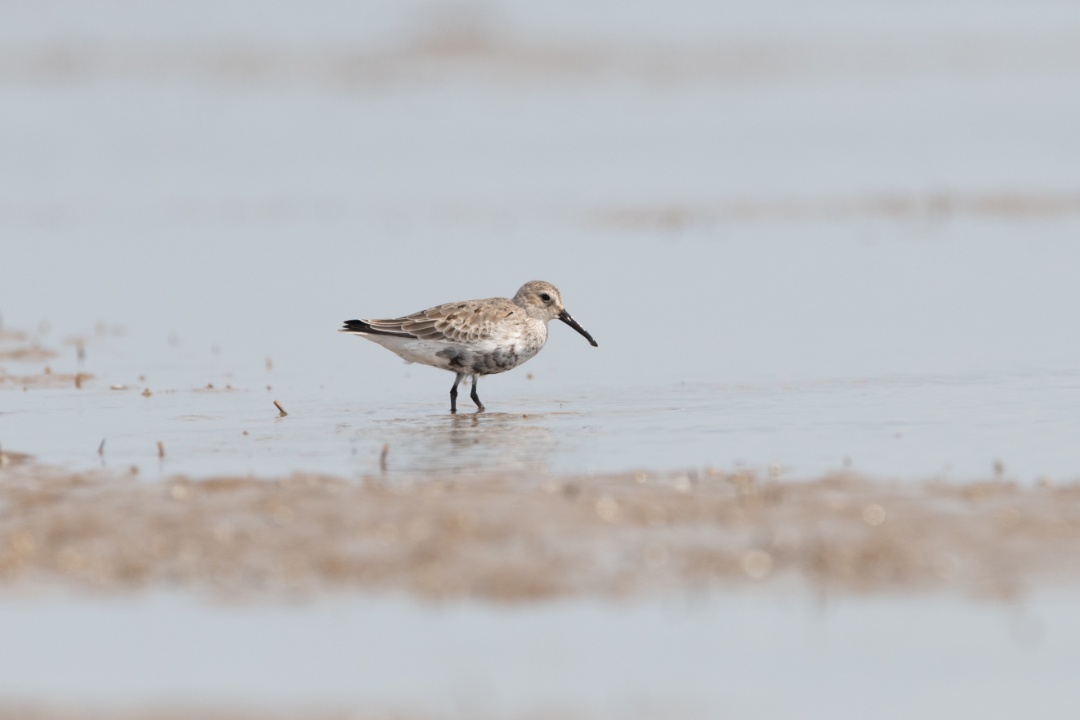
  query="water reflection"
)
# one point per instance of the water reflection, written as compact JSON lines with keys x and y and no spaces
{"x":473,"y":442}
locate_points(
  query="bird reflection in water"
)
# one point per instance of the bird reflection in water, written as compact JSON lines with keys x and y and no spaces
{"x":488,"y":442}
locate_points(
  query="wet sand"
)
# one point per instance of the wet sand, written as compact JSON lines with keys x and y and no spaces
{"x":526,"y":537}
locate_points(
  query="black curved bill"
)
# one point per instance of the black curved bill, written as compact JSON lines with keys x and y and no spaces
{"x":565,"y":317}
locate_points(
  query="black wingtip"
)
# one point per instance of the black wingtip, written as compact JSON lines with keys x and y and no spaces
{"x":356,"y":326}
{"x":363,"y":327}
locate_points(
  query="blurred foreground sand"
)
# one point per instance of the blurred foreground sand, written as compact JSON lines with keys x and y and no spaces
{"x":522,"y":537}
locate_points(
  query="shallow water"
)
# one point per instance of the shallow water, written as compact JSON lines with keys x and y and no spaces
{"x":898,"y":358}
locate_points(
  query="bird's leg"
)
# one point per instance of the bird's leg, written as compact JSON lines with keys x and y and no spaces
{"x":453,"y":393}
{"x":474,"y":396}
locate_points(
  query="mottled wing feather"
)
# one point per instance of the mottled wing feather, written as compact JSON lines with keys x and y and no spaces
{"x":467,"y":321}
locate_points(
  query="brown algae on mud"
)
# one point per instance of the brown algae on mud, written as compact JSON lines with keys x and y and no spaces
{"x":519,"y":537}
{"x":20,"y":348}
{"x":44,"y":380}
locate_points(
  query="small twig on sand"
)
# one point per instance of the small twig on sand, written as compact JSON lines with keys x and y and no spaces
{"x":280,"y":409}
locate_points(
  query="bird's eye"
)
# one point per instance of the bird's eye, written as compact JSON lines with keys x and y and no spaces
{"x":545,"y":297}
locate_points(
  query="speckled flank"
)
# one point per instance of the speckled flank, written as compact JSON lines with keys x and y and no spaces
{"x":488,"y":362}
{"x":474,"y":337}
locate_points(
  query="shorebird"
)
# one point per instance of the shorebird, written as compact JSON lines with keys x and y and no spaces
{"x":473,"y":337}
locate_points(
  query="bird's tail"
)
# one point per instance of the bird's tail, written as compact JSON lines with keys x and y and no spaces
{"x":358,"y":326}
{"x":363,"y":327}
